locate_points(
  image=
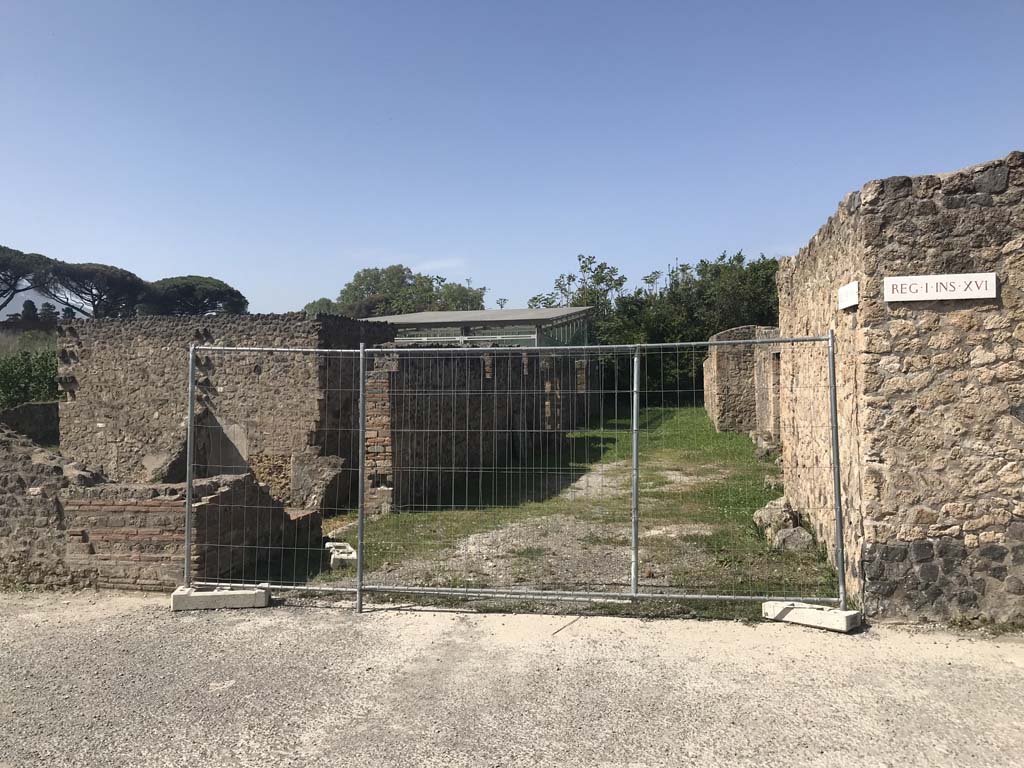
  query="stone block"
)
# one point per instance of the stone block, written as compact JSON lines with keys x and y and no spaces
{"x":793,"y":540}
{"x":774,"y":516}
{"x":191,"y":599}
{"x":810,"y":615}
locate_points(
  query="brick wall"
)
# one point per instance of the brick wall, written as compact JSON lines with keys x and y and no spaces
{"x":126,"y":537}
{"x":133,"y":536}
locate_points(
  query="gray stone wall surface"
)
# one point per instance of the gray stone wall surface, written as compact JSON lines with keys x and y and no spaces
{"x":125,"y":383}
{"x":931,"y":394}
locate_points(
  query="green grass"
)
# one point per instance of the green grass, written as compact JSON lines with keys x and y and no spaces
{"x":699,"y":490}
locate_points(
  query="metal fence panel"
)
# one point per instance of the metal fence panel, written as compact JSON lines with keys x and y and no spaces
{"x":478,"y":476}
{"x":551,"y":473}
{"x":706,"y":468}
{"x":273,"y":464}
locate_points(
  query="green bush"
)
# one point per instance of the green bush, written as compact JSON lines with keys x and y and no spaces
{"x":27,"y":376}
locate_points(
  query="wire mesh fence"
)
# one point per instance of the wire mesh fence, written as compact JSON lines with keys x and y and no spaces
{"x":274,"y":450}
{"x":604,"y":473}
{"x":711,"y":422}
{"x":486,"y":478}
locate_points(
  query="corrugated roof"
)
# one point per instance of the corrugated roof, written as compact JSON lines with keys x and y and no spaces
{"x":485,"y":317}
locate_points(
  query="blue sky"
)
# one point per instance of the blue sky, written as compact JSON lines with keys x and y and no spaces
{"x":282,"y":146}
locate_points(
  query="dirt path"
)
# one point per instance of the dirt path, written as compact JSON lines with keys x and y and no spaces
{"x":554,"y":551}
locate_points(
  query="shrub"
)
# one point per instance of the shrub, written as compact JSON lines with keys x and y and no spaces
{"x":28,"y":376}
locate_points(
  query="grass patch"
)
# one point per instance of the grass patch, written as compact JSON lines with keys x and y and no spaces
{"x":699,"y":489}
{"x":402,"y":536}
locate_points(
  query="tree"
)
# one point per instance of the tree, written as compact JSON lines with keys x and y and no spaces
{"x":322,"y":306}
{"x":390,"y":290}
{"x":48,"y":312}
{"x":396,"y":290}
{"x":683,"y":303}
{"x":67,"y":313}
{"x":192,"y":295}
{"x":597,"y":285}
{"x":725,"y":293}
{"x":94,"y":290}
{"x":20,"y":272}
{"x":455,"y":296}
{"x":29,"y":311}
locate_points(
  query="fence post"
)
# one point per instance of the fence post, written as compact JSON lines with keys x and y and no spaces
{"x":634,"y":571}
{"x":189,"y":460}
{"x":361,"y":510}
{"x":836,"y":482}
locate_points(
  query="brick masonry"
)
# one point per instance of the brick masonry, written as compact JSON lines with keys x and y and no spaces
{"x":931,"y":394}
{"x":133,"y":536}
{"x":60,"y":525}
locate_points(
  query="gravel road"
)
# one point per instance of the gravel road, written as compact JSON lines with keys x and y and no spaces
{"x":108,"y":679}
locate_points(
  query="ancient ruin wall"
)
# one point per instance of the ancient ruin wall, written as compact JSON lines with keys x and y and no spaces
{"x":36,"y":421}
{"x":125,"y":408}
{"x":126,"y":537}
{"x":767,"y":370}
{"x":57,"y":528}
{"x":457,"y":428}
{"x":32,"y":535}
{"x":931,"y":393}
{"x":807,"y":307}
{"x":125,"y":383}
{"x":729,"y":394}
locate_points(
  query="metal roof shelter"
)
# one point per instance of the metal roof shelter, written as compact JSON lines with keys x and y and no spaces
{"x":542,"y":327}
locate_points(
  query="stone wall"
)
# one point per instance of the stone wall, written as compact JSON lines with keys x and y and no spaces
{"x":61,"y":525}
{"x":133,"y":536}
{"x":125,"y":384}
{"x":729,"y":397}
{"x":32,"y":530}
{"x":276,"y":445}
{"x":37,"y":421}
{"x":126,"y":407}
{"x":931,"y":394}
{"x":767,"y":373}
{"x":447,"y":428}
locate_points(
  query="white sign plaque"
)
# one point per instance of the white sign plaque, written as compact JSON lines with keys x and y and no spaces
{"x":849,"y":295}
{"x":975,"y":285}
